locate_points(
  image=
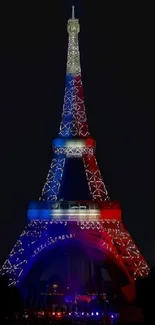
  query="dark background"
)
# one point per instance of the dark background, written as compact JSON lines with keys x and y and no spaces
{"x":117,"y":59}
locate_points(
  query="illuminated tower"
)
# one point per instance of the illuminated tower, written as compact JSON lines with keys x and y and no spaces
{"x":74,"y":205}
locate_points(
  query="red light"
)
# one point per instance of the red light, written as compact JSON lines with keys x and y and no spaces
{"x":90,"y":142}
{"x":59,"y":314}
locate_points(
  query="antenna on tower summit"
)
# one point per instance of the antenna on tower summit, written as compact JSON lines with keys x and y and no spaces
{"x":73,"y":12}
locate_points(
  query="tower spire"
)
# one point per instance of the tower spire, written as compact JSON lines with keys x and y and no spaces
{"x":73,"y":12}
{"x":74,"y":120}
{"x":73,"y":58}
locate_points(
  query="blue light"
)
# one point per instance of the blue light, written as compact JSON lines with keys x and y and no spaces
{"x":32,"y":212}
{"x":97,"y":313}
{"x":44,"y":214}
{"x":59,"y":142}
{"x":39,"y":211}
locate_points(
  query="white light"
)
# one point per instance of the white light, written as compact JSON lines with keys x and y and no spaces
{"x":75,"y":144}
{"x":73,"y":214}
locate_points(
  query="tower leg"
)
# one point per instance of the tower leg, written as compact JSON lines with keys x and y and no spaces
{"x":126,"y":248}
{"x":36,"y":237}
{"x":95,"y":182}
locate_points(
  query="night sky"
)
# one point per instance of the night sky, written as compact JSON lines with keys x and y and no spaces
{"x":116,"y":44}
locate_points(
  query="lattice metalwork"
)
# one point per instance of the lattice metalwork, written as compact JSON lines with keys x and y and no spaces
{"x":118,"y":241}
{"x":126,"y":247}
{"x":36,"y":237}
{"x":74,"y":120}
{"x":52,"y":185}
{"x":74,"y":152}
{"x":109,"y":236}
{"x":73,"y":58}
{"x":95,"y":238}
{"x":95,"y":182}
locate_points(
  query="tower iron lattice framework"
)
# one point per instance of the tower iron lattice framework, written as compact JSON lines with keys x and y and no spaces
{"x":52,"y":220}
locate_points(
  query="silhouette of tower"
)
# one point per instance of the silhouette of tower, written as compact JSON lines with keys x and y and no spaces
{"x":74,"y":205}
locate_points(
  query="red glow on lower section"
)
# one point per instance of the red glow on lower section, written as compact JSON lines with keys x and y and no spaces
{"x":111,"y":214}
{"x":129,"y":291}
{"x":83,"y":298}
{"x":110,"y":210}
{"x":90,"y":142}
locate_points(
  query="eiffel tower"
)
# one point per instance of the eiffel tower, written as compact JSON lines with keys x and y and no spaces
{"x":74,"y":204}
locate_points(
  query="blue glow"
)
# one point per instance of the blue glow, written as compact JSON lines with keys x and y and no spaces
{"x":39,"y":211}
{"x":34,"y":239}
{"x":32,"y":214}
{"x":58,"y":174}
{"x":69,"y":299}
{"x":59,"y":142}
